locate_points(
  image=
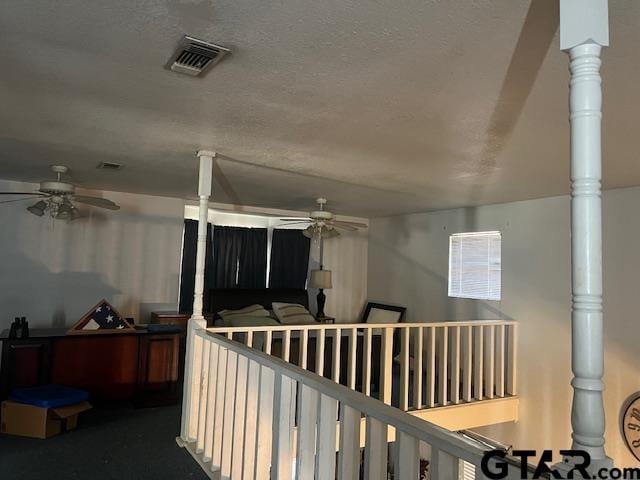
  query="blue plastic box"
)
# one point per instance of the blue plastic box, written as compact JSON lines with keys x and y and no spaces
{"x":49,"y":396}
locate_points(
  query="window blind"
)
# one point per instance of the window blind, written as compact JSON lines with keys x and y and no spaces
{"x":475,"y":265}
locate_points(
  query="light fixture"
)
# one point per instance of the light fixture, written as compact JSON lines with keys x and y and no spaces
{"x":64,"y":212}
{"x":38,"y":208}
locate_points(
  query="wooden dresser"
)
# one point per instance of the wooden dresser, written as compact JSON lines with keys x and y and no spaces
{"x":140,"y":366}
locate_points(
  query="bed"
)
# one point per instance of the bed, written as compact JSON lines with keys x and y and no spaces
{"x":236,"y":298}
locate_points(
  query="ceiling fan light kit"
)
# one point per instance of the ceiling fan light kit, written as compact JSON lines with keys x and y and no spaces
{"x":58,"y":197}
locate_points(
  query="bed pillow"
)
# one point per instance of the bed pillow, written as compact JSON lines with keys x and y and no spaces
{"x":251,"y":311}
{"x":248,"y":321}
{"x":292,"y":314}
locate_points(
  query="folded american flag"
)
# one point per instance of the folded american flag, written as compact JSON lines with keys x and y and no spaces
{"x":104,"y":317}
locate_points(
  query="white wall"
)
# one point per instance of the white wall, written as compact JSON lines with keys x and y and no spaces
{"x":346,"y":256}
{"x":52,"y":272}
{"x":408,"y":266}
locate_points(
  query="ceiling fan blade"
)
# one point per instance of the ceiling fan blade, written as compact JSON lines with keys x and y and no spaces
{"x":306,"y":219}
{"x":346,"y":227}
{"x":289,"y":224}
{"x":22,"y":193}
{"x":352,"y":224}
{"x":16,"y":200}
{"x":97,"y":202}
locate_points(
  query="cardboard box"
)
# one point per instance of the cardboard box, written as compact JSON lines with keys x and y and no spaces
{"x":38,"y":422}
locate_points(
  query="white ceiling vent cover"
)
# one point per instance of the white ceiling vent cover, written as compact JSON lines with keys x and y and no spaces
{"x":194,"y":57}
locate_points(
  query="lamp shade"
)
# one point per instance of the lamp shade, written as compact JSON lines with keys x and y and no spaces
{"x":320,"y":279}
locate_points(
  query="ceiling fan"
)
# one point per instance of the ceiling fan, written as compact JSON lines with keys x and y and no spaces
{"x":322,"y":223}
{"x":57,"y":198}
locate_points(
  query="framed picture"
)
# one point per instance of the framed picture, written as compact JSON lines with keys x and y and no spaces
{"x":380,"y":313}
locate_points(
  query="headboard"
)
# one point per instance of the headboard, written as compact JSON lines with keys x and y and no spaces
{"x":234,"y":298}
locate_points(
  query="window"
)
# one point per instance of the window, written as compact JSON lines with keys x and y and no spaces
{"x":475,"y":265}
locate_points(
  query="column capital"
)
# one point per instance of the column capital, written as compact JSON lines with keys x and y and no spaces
{"x":206,"y":153}
{"x":583,"y":21}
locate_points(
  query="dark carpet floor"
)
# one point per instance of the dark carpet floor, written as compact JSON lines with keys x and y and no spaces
{"x":110,"y":443}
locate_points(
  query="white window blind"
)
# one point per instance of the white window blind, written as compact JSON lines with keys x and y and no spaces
{"x":475,"y":265}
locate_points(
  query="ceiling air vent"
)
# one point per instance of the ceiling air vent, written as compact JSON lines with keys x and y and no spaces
{"x":193,"y":56}
{"x":109,"y":166}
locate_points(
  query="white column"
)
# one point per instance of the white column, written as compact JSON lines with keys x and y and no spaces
{"x":204,"y":192}
{"x":583,"y":32}
{"x":197,"y":320}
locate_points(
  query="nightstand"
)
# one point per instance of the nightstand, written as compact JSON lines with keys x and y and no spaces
{"x":325,"y":319}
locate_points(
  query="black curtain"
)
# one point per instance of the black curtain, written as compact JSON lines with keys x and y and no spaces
{"x":252,"y":264}
{"x":289,"y":259}
{"x":239,"y":257}
{"x":227,"y":246}
{"x":188,"y":270}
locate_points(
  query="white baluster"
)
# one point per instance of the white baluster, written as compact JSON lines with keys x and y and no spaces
{"x":265,"y":424}
{"x":455,"y":365}
{"x":366,"y":362}
{"x":408,"y":464}
{"x":320,"y":352}
{"x":286,"y":345}
{"x":228,"y":421}
{"x":251,"y":422}
{"x":304,"y":340}
{"x":194,"y":390}
{"x":211,"y":402}
{"x":444,"y":466}
{"x":336,"y":355}
{"x":353,"y":347}
{"x":240,"y":414}
{"x":443,"y":363}
{"x":307,"y":420}
{"x":467,"y":364}
{"x":431,"y":367}
{"x":203,"y":396}
{"x":221,"y":383}
{"x":326,"y":457}
{"x":512,"y":379}
{"x":417,"y":368}
{"x":500,"y":347}
{"x":386,"y":377}
{"x":404,"y":369}
{"x":267,"y":342}
{"x":375,"y":453}
{"x":478,"y":358}
{"x":284,"y":404}
{"x":349,"y":452}
{"x":489,"y":362}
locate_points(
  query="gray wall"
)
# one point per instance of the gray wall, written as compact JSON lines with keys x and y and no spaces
{"x":408,"y":262}
{"x":53,"y":272}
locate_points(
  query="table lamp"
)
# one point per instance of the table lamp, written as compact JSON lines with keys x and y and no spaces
{"x":320,"y":279}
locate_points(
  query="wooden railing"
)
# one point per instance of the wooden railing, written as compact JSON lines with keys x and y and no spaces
{"x":434,"y":364}
{"x":254,"y":416}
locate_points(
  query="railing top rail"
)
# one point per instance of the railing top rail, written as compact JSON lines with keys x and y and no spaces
{"x":416,"y":427}
{"x":362,"y":326}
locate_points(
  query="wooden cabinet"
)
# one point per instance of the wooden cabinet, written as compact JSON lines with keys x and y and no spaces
{"x":140,"y":366}
{"x":29,"y":361}
{"x":159,"y":370}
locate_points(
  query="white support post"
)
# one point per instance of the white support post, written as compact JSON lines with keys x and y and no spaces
{"x":584,"y":30}
{"x":197,"y":320}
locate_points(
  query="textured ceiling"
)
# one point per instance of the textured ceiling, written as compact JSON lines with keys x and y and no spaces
{"x":384,"y":107}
